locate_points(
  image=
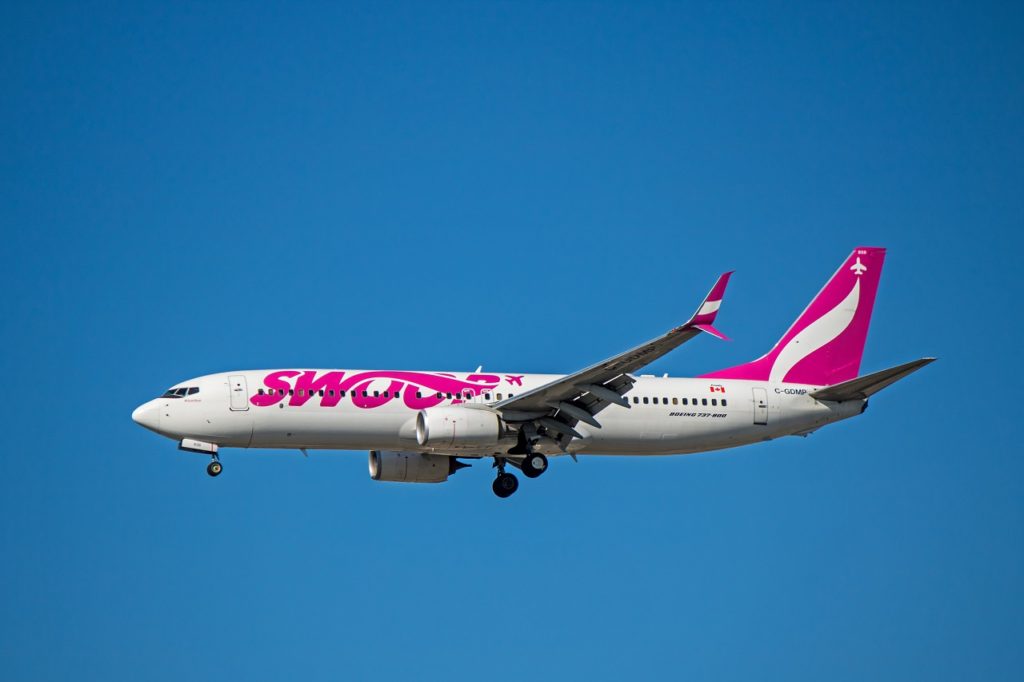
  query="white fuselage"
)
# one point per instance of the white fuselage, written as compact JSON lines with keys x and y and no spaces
{"x":305,"y":409}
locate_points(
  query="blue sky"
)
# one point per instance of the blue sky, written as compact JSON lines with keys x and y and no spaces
{"x":532,"y":187}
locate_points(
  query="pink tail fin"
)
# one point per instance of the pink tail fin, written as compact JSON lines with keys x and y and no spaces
{"x":825,"y":344}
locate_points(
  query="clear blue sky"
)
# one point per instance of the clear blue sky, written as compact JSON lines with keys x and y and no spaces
{"x":202,"y":187}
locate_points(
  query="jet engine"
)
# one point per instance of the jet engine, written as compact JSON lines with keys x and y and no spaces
{"x":411,"y":467}
{"x":457,"y":427}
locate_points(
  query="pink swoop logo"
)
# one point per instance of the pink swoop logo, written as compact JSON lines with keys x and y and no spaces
{"x":418,"y":390}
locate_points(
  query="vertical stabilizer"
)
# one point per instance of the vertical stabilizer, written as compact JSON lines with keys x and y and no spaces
{"x":825,"y":344}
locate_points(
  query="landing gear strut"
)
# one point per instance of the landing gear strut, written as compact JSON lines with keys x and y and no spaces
{"x":214,"y":468}
{"x":505,"y":484}
{"x":534,"y":465}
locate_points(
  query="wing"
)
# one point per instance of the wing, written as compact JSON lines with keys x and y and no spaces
{"x":552,"y":410}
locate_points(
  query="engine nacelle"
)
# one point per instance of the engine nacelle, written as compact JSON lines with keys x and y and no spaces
{"x":409,"y":467}
{"x":457,"y":427}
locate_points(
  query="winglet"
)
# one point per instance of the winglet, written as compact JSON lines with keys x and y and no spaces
{"x":711,"y":330}
{"x":704,"y":318}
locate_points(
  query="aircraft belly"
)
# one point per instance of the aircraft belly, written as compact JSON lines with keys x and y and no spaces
{"x":663,"y":434}
{"x":341,"y":428}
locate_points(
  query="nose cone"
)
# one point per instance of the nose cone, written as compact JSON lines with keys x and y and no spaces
{"x":148,"y":415}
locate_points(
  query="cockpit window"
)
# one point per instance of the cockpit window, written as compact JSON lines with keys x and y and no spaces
{"x":180,"y":392}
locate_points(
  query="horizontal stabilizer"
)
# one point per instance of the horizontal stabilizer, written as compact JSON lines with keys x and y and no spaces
{"x":869,"y":384}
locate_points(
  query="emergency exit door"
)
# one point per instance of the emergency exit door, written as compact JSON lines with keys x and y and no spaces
{"x":761,"y":406}
{"x":239,"y":393}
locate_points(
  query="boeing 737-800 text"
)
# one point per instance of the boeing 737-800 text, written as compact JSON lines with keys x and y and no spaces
{"x":417,"y":425}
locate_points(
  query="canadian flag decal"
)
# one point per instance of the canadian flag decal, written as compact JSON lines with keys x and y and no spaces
{"x":717,"y":388}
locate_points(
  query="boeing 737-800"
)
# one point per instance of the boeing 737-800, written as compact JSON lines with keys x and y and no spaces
{"x":417,"y":425}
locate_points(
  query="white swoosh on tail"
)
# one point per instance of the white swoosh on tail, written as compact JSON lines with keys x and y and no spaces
{"x":817,"y":334}
{"x":709,"y":307}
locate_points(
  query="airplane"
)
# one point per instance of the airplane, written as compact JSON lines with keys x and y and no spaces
{"x":420,"y":426}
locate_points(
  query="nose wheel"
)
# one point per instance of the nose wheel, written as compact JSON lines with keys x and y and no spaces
{"x":214,"y":468}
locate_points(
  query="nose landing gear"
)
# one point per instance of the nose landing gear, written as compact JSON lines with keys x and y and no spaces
{"x":214,"y":468}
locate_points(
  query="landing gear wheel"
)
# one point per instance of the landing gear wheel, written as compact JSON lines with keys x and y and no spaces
{"x":505,"y":484}
{"x":534,"y":465}
{"x":214,"y":468}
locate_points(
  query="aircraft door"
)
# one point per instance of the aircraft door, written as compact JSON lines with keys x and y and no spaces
{"x":239,"y":393}
{"x":760,"y":406}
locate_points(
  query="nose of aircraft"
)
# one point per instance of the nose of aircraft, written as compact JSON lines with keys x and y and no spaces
{"x":148,"y":415}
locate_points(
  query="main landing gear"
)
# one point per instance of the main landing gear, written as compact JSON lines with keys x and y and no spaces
{"x":505,"y":484}
{"x":214,"y":468}
{"x":532,"y":466}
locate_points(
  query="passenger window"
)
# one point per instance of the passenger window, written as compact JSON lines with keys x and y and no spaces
{"x":665,"y":400}
{"x":365,"y":394}
{"x":321,"y":393}
{"x":440,"y":395}
{"x":280,"y":391}
{"x":646,"y":401}
{"x":487,"y":396}
{"x":685,"y":402}
{"x":291,"y":391}
{"x":259,"y":391}
{"x":714,"y":402}
{"x":655,"y":401}
{"x":675,"y":401}
{"x":331,"y":392}
{"x":449,"y":396}
{"x":396,"y":394}
{"x":385,"y":394}
{"x":703,"y":401}
{"x":376,"y":394}
{"x":636,"y":401}
{"x":419,"y":394}
{"x":499,"y":396}
{"x":723,"y":402}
